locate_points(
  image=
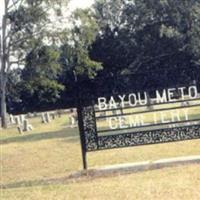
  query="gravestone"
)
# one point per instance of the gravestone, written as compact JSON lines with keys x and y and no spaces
{"x":102,"y":114}
{"x":17,"y":120}
{"x":19,"y":128}
{"x":48,"y":119}
{"x":30,"y":115}
{"x":186,"y":103}
{"x":44,"y":118}
{"x":35,"y":114}
{"x":53,"y":115}
{"x":72,"y":121}
{"x":73,"y":118}
{"x":12,"y":120}
{"x":59,"y":113}
{"x":22,"y":118}
{"x":114,"y":112}
{"x":27,"y":126}
{"x":24,"y":126}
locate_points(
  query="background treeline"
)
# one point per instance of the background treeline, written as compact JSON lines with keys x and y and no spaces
{"x":159,"y":40}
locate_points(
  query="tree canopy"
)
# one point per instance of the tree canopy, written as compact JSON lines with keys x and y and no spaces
{"x":112,"y":38}
{"x":142,"y":35}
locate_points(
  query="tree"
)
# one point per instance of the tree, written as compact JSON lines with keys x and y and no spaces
{"x":39,"y":79}
{"x":75,"y":59}
{"x":144,"y":35}
{"x":77,"y":43}
{"x":25,"y":23}
{"x":13,"y":90}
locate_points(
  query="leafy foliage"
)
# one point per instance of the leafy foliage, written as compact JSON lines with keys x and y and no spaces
{"x":39,"y":77}
{"x":75,"y":52}
{"x":146,"y":35}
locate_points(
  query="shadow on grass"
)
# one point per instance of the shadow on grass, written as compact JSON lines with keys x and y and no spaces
{"x":78,"y":176}
{"x":75,"y":177}
{"x":70,"y":134}
{"x":34,"y":183}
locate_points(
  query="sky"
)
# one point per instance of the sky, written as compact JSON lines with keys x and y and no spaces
{"x":72,"y":5}
{"x":80,"y":4}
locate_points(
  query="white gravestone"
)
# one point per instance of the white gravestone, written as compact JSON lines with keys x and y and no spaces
{"x":47,"y":117}
{"x":44,"y":118}
{"x":53,"y":115}
{"x":17,"y":120}
{"x":12,"y":120}
{"x":73,"y":119}
{"x":22,"y":118}
{"x":27,"y":126}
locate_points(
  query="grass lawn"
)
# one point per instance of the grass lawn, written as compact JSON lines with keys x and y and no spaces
{"x":179,"y":183}
{"x":52,"y":151}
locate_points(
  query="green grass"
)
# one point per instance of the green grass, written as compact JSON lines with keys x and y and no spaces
{"x":52,"y":152}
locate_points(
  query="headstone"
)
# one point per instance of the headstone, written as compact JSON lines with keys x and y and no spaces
{"x":22,"y":118}
{"x":114,"y":112}
{"x":27,"y":126}
{"x":44,"y":118}
{"x":12,"y":120}
{"x":59,"y":113}
{"x":47,"y":117}
{"x":19,"y":128}
{"x":185,"y":103}
{"x":30,"y":115}
{"x":17,"y":120}
{"x":102,"y":114}
{"x":72,"y":121}
{"x":53,"y":115}
{"x":73,"y":118}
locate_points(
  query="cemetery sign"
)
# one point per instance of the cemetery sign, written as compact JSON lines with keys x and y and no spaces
{"x":126,"y":117}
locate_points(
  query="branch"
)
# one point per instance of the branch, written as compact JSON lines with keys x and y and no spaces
{"x":34,"y":34}
{"x":8,"y":35}
{"x":6,"y":3}
{"x":196,"y":62}
{"x":14,"y":4}
{"x":137,"y":63}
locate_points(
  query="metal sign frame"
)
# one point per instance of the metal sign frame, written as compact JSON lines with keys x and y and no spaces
{"x":92,"y":141}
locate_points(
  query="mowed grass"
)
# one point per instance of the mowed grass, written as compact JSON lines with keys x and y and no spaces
{"x":179,"y":183}
{"x":52,"y":151}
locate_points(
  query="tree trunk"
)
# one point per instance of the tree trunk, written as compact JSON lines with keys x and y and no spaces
{"x":3,"y":77}
{"x":3,"y":83}
{"x":3,"y":102}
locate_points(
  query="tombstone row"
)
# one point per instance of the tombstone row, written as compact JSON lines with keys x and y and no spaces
{"x":23,"y":124}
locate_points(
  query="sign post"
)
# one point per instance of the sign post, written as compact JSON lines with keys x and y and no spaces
{"x":79,"y":108}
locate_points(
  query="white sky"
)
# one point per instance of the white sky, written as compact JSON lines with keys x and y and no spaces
{"x":80,"y":4}
{"x":72,"y":5}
